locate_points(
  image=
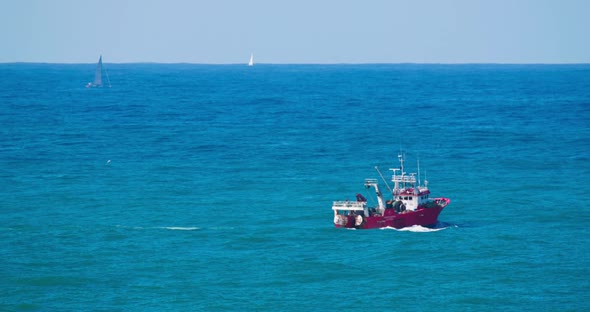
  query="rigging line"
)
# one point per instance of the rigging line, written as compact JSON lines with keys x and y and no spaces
{"x":382,"y":178}
{"x":109,"y":80}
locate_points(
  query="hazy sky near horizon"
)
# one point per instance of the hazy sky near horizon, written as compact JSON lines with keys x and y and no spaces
{"x":302,"y":31}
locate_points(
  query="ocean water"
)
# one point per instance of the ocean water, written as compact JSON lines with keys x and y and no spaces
{"x":209,"y":187}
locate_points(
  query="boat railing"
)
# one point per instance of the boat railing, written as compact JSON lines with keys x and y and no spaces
{"x":348,"y":205}
{"x":370,"y":182}
{"x":404,"y":179}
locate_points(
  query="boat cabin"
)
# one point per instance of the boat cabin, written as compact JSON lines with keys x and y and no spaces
{"x":412,"y":198}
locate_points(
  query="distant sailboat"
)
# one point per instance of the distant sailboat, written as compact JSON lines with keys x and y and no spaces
{"x":97,"y":83}
{"x":251,"y":62}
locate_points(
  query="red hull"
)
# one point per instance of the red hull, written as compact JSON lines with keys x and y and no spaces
{"x":421,"y":216}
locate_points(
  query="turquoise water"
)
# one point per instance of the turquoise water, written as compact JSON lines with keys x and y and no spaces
{"x":209,"y":187}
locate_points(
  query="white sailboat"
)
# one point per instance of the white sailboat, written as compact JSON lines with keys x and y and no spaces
{"x":251,"y":62}
{"x":97,"y":83}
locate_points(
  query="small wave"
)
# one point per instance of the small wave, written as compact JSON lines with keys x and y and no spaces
{"x":179,"y":228}
{"x":222,"y":228}
{"x":420,"y":229}
{"x":416,"y":229}
{"x":172,"y":228}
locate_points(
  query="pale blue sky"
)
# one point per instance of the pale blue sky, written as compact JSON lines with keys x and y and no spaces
{"x":299,"y":31}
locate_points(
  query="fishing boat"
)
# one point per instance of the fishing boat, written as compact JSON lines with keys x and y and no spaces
{"x":97,"y":83}
{"x":410,"y":204}
{"x":251,"y":61}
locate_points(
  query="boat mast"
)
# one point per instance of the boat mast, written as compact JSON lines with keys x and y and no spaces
{"x":395,"y":182}
{"x":419,"y":182}
{"x":400,"y":157}
{"x":399,"y":181}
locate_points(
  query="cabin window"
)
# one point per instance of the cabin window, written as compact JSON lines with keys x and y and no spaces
{"x":410,"y":197}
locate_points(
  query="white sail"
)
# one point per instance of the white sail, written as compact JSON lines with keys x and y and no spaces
{"x":251,"y":62}
{"x":98,"y":76}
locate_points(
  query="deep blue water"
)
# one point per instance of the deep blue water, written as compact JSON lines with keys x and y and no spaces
{"x":209,"y":187}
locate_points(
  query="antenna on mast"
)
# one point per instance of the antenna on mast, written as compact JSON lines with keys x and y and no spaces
{"x":419,"y":172}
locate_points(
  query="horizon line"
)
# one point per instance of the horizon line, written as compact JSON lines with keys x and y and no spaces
{"x":310,"y":63}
